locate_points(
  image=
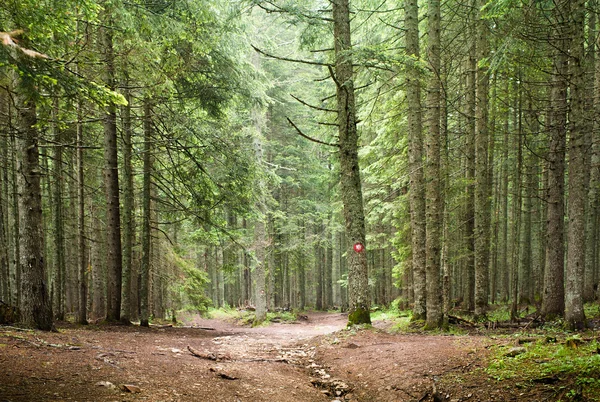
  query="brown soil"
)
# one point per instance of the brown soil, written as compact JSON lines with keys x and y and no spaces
{"x":310,"y":360}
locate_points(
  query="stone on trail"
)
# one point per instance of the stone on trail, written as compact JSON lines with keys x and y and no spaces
{"x":106,"y":384}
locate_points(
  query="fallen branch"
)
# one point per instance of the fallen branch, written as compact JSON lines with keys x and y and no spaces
{"x":207,"y":356}
{"x":161,"y":326}
{"x":221,"y":374}
{"x":461,"y":320}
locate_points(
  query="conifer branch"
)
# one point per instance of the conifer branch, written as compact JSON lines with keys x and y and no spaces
{"x":310,"y":138}
{"x":271,"y":56}
{"x":322,"y":109}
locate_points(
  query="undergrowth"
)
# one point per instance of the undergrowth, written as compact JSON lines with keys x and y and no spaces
{"x":571,"y":364}
{"x":247,"y":317}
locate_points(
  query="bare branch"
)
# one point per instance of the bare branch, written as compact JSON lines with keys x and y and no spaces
{"x":312,"y":63}
{"x":312,"y":106}
{"x":310,"y":138}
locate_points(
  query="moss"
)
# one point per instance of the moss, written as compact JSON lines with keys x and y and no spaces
{"x":359,"y":316}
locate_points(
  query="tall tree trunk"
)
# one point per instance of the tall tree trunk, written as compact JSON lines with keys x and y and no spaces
{"x":128,"y":215}
{"x":146,"y":215}
{"x":5,"y":285}
{"x":81,"y":257}
{"x":111,"y":182}
{"x":503,"y":267}
{"x":482,"y":193}
{"x":36,"y":306}
{"x":517,"y":204}
{"x":351,"y":189}
{"x":260,"y":235}
{"x":415,"y":156}
{"x":432,"y":171}
{"x":593,"y":108}
{"x":58,"y":217}
{"x":574,"y":313}
{"x":553,"y":302}
{"x":14,"y":219}
{"x":471,"y":98}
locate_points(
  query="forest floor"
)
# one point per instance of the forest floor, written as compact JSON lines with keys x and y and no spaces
{"x":313,"y":359}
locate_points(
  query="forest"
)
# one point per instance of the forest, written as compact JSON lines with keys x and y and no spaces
{"x":160,"y":156}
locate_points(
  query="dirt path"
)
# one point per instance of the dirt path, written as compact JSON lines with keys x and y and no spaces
{"x":312,"y":360}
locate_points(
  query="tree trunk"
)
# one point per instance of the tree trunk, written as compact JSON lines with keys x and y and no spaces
{"x":593,"y":108}
{"x":146,"y":215}
{"x":36,"y":306}
{"x":111,"y":182}
{"x":351,"y":189}
{"x":574,"y":313}
{"x":482,"y":194}
{"x":318,"y":280}
{"x":58,"y":217}
{"x":415,"y":156}
{"x":5,"y":285}
{"x":98,"y":258}
{"x":128,"y":213}
{"x":517,"y":206}
{"x":81,"y":257}
{"x":553,"y":303}
{"x":432,"y":172}
{"x":469,"y":277}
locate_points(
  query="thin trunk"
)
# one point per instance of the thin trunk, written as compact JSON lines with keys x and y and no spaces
{"x":128,"y":216}
{"x":58,"y":217}
{"x":5,"y":285}
{"x":81,"y":257}
{"x":469,"y":277}
{"x":591,"y":248}
{"x":98,"y":265}
{"x":482,"y":193}
{"x":318,"y":281}
{"x":146,"y":215}
{"x":517,"y":206}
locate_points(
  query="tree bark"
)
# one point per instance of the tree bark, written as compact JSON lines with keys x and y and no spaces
{"x":553,"y":302}
{"x":574,"y":313}
{"x":471,"y":100}
{"x":111,"y":182}
{"x":415,"y":156}
{"x":433,"y":191}
{"x":128,"y":215}
{"x":593,"y":108}
{"x":146,"y":215}
{"x":58,"y":218}
{"x":81,"y":251}
{"x":36,"y":306}
{"x":5,"y":285}
{"x":351,"y":190}
{"x":482,"y":193}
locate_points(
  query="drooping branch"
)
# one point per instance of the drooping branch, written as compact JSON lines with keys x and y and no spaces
{"x":312,"y":106}
{"x":279,"y":9}
{"x":271,"y":56}
{"x":310,"y":138}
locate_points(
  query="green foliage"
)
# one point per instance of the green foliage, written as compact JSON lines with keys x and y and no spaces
{"x":193,"y":288}
{"x":574,"y":361}
{"x":394,"y":312}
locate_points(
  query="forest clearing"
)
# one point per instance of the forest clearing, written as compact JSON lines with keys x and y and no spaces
{"x":313,"y":358}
